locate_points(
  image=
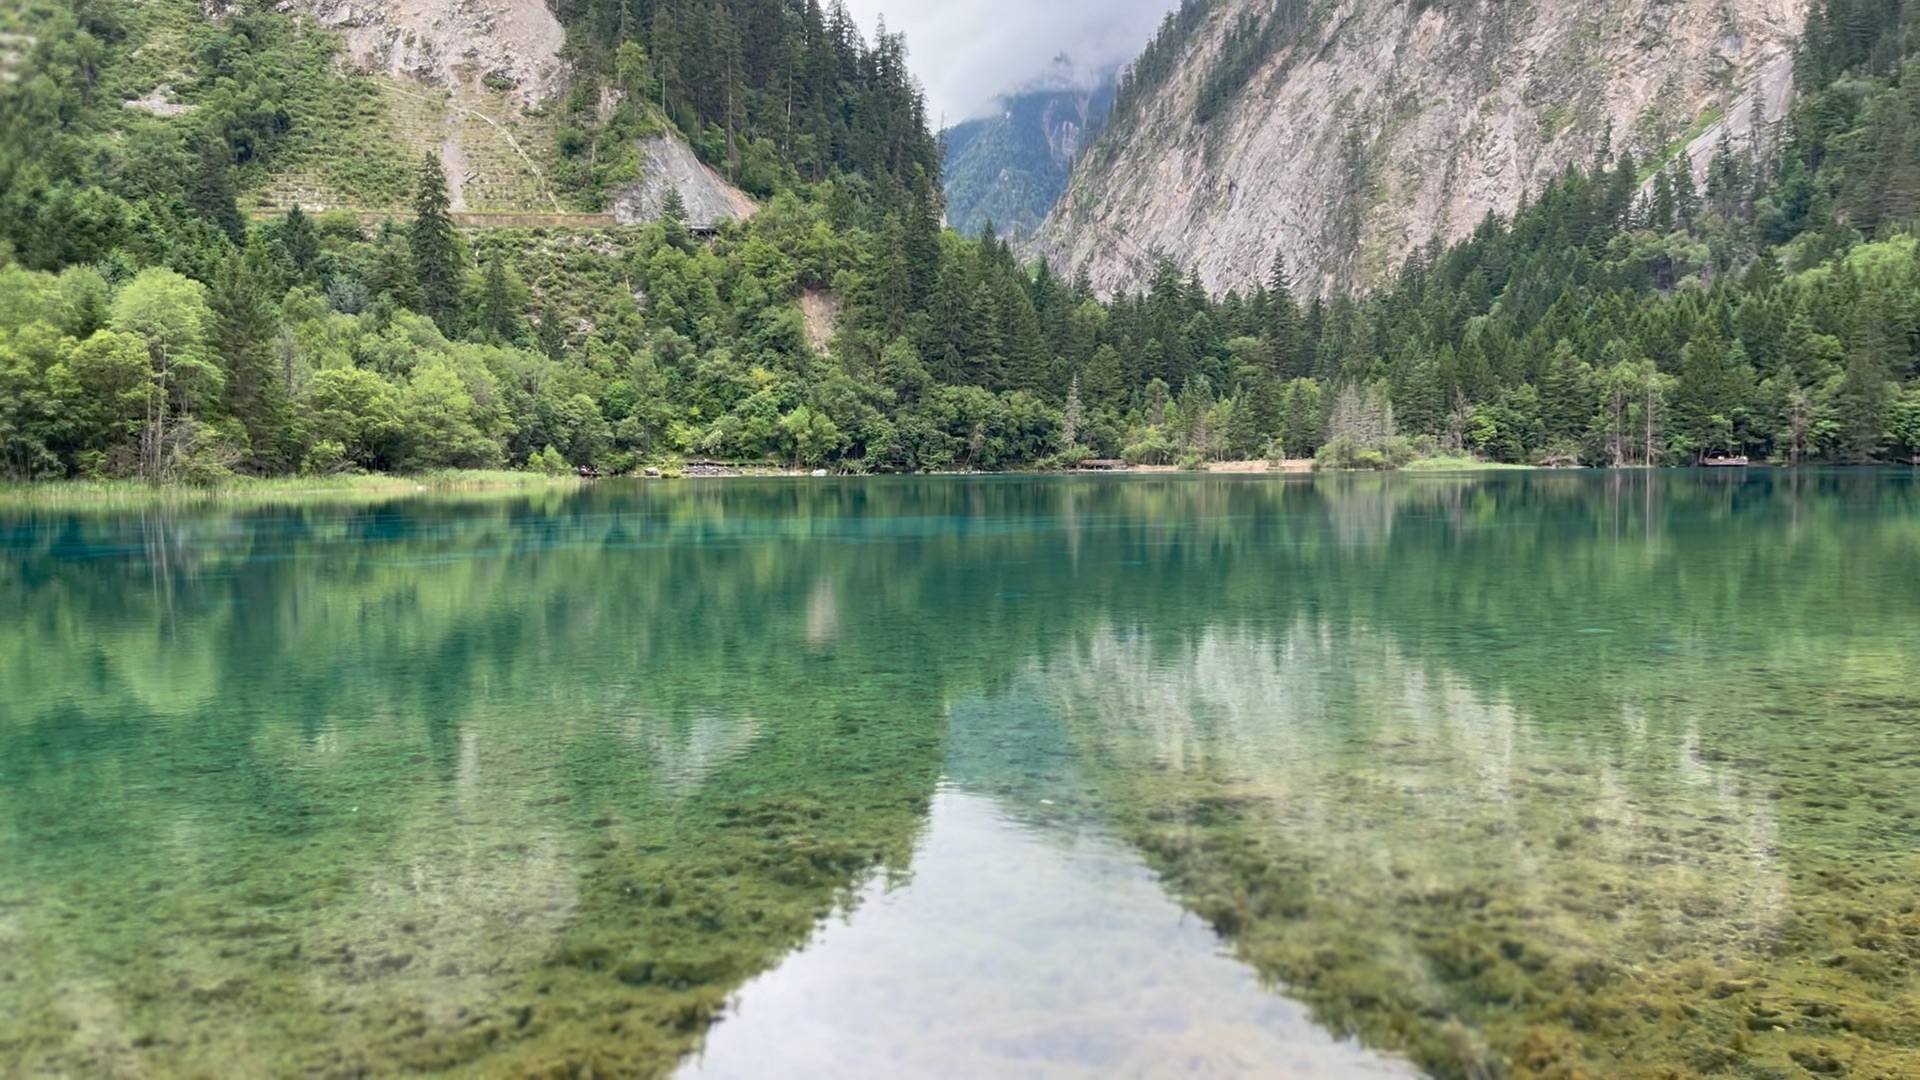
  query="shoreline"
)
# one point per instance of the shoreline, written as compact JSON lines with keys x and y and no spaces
{"x":495,"y":482}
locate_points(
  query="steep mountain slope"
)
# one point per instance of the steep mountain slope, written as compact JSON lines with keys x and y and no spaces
{"x":1345,"y":134}
{"x":476,"y":83}
{"x":667,"y":164}
{"x":1009,"y":169}
{"x":501,"y":43}
{"x":463,"y":81}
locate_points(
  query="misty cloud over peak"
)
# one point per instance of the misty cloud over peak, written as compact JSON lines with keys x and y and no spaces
{"x":969,"y":52}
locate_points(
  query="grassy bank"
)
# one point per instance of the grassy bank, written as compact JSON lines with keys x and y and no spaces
{"x":255,"y":488}
{"x":1458,"y":464}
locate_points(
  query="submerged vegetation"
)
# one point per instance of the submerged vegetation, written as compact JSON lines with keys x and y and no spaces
{"x":1545,"y":792}
{"x":1571,"y":775}
{"x":1576,"y":914}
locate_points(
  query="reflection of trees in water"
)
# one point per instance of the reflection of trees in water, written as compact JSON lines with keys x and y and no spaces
{"x":411,"y":788}
{"x":200,"y":697}
{"x":1419,"y":861}
{"x":684,"y":756}
{"x":1400,"y":769}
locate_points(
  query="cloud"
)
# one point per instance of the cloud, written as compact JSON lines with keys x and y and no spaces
{"x":967,"y":51}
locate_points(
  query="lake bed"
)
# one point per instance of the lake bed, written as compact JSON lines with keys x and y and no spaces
{"x":1524,"y":774}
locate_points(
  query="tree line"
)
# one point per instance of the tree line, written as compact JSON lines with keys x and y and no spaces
{"x":1625,"y":315}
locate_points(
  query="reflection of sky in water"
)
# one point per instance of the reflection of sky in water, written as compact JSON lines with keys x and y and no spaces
{"x":1019,"y":952}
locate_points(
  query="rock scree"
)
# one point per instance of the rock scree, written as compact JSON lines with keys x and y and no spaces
{"x":462,"y":43}
{"x":666,"y":162}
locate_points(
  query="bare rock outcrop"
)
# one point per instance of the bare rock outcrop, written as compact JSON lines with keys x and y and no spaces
{"x":1387,"y":123}
{"x":503,"y":44}
{"x":13,"y":48}
{"x":667,"y":163}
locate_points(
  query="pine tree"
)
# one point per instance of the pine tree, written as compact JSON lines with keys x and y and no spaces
{"x":1070,"y":416}
{"x":299,"y":245}
{"x":1567,"y":402}
{"x":1710,"y":397}
{"x":213,"y":196}
{"x":1283,"y":319}
{"x":435,"y":248}
{"x":245,"y":329}
{"x":1686,"y":197}
{"x":673,"y":209}
{"x":1874,"y":345}
{"x":498,"y":317}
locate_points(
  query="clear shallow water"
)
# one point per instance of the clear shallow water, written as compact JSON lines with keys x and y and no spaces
{"x":1018,"y":951}
{"x":1613,"y":774}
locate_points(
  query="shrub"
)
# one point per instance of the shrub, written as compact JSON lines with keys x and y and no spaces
{"x":1153,"y":449}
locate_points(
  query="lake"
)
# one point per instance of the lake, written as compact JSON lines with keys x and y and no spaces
{"x":1506,"y":774}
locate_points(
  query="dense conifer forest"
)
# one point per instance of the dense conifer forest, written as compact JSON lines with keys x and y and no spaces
{"x":778,"y":93}
{"x":1625,"y":315}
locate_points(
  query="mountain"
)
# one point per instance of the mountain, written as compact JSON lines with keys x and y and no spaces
{"x":1008,"y":169}
{"x":465,"y":82}
{"x":1697,"y":290}
{"x":1346,"y":135}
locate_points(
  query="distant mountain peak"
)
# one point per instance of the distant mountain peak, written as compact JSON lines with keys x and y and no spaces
{"x":1063,"y":74}
{"x":1010,"y":168}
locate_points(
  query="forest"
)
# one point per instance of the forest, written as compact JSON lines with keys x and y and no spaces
{"x":1625,"y":315}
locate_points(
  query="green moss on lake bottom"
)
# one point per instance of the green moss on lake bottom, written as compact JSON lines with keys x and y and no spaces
{"x":1450,"y":880}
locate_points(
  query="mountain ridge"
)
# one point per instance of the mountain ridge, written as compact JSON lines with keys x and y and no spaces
{"x":1382,"y":125}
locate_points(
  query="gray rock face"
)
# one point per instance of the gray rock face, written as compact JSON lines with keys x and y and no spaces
{"x":666,"y":162}
{"x":13,"y":48}
{"x":1385,"y":124}
{"x":452,"y":43}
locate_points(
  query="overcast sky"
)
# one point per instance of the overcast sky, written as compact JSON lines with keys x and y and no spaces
{"x":966,"y":51}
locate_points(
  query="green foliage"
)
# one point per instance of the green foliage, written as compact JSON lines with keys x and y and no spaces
{"x":1251,"y":43}
{"x":1771,"y":311}
{"x":772,"y":92}
{"x":235,"y":101}
{"x":1150,"y":70}
{"x":437,"y":261}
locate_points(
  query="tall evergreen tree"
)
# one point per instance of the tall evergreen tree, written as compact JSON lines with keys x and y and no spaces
{"x":435,"y":247}
{"x":1283,"y":320}
{"x":213,"y":195}
{"x":1709,"y":400}
{"x":244,"y":332}
{"x":499,"y":315}
{"x":299,"y":245}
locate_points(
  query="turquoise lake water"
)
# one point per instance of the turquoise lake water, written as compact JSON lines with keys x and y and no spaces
{"x":1491,"y":775}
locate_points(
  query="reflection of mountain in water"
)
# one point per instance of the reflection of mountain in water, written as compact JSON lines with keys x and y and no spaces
{"x":684,"y":757}
{"x":1010,"y":746}
{"x":484,"y":788}
{"x":1419,"y":861}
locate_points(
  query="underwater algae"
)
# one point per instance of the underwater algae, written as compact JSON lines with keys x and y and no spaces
{"x":429,"y":822}
{"x":559,"y":934}
{"x":1497,"y":771}
{"x":1437,"y":874}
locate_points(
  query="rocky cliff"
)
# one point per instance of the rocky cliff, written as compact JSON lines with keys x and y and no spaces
{"x":668,"y":164}
{"x":1358,"y":130}
{"x":502,"y":44}
{"x":466,"y":80}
